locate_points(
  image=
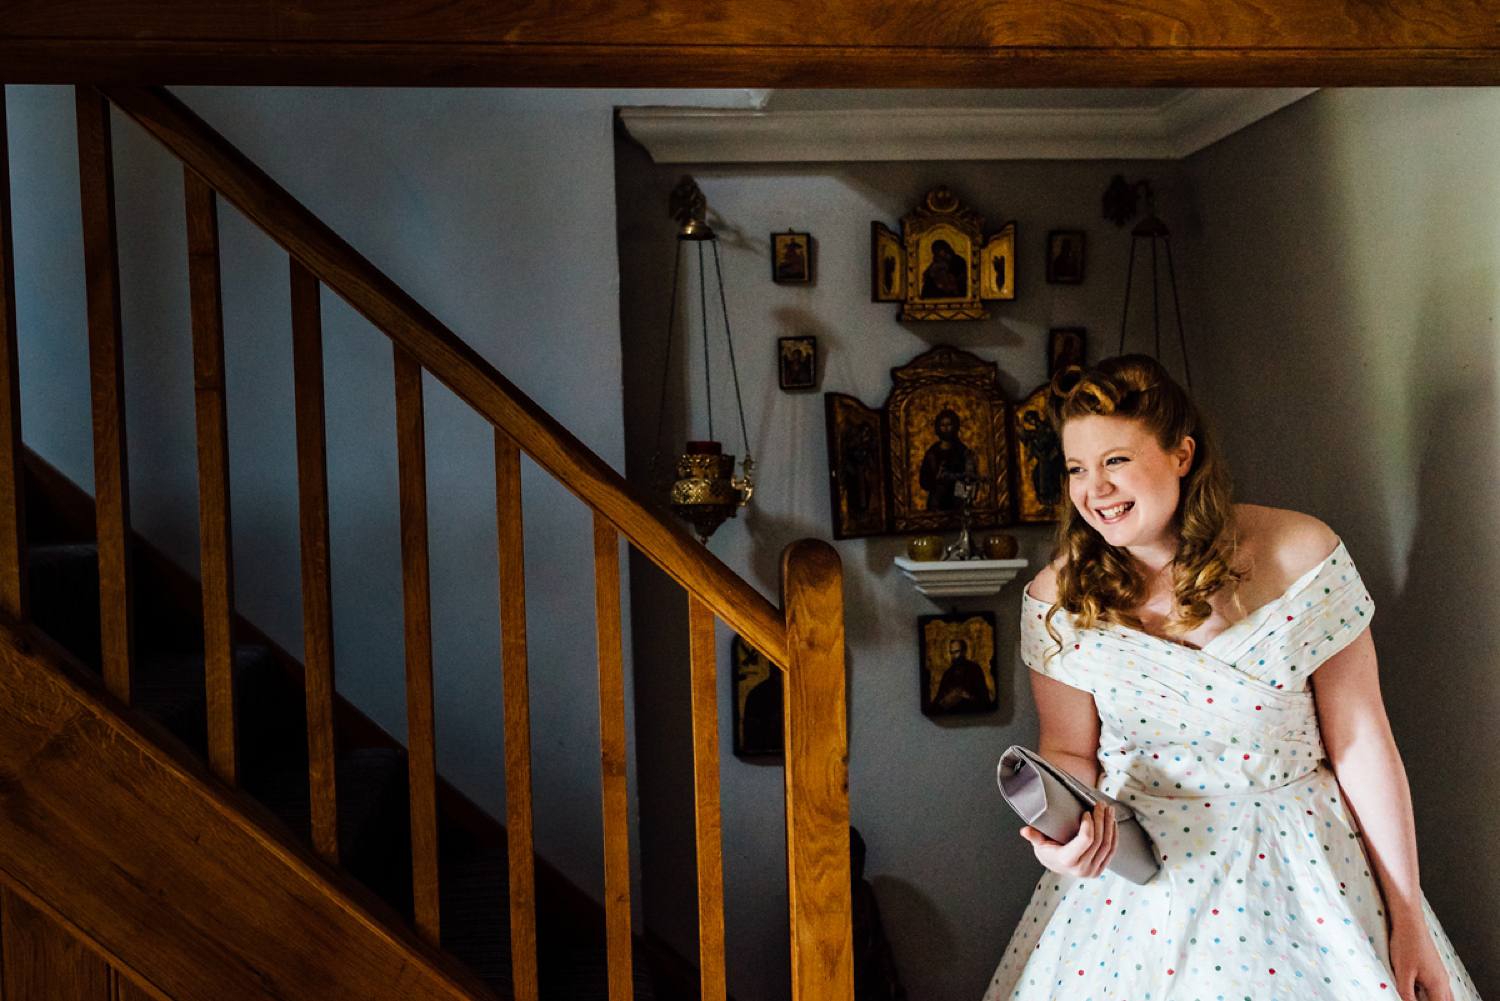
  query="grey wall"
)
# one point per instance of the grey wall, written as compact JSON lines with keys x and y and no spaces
{"x":495,"y":210}
{"x":949,"y":868}
{"x":1353,"y":254}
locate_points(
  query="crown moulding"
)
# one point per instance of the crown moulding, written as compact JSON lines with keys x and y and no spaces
{"x":1178,"y":127}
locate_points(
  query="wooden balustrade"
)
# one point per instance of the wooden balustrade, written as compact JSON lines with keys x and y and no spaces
{"x":807,"y":641}
{"x":12,"y":492}
{"x":416,"y":589}
{"x":612,"y":754}
{"x":317,"y":586}
{"x":704,"y":697}
{"x":217,"y":561}
{"x":96,"y":175}
{"x":518,"y":830}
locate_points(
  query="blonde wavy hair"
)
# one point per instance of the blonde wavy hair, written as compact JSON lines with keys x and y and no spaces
{"x":1099,"y":582}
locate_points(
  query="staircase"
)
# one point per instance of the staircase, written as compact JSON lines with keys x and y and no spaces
{"x":187,"y":811}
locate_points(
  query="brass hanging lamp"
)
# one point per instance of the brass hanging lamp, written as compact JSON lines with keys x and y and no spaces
{"x":704,"y":491}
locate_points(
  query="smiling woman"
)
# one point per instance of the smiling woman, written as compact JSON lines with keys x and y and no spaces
{"x":1173,"y":646}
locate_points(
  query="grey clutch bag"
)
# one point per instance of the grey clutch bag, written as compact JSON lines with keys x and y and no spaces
{"x":1053,"y":802}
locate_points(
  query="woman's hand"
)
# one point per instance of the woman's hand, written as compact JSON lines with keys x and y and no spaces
{"x":1091,"y":848}
{"x":1415,"y":962}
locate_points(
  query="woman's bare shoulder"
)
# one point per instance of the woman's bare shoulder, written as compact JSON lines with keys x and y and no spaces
{"x":1043,"y":586}
{"x":1280,"y":546}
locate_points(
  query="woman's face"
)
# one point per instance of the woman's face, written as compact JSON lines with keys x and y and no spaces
{"x":1122,"y":482}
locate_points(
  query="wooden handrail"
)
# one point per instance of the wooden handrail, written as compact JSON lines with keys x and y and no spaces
{"x":458,"y":366}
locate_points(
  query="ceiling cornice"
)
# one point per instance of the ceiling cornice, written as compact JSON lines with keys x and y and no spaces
{"x":1178,"y":127}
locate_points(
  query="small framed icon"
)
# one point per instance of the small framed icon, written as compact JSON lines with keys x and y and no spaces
{"x":798,"y":362}
{"x":791,"y":258}
{"x":1065,"y":257}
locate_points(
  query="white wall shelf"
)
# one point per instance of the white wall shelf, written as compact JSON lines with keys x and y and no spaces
{"x":959,"y":578}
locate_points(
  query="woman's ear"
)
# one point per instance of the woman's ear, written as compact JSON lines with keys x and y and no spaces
{"x":1184,"y":455}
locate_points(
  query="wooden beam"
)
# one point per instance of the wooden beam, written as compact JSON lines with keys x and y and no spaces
{"x":612,"y":754}
{"x":12,"y":489}
{"x":211,"y":904}
{"x":416,"y":591}
{"x":757,"y":43}
{"x":707,"y":821}
{"x":513,"y":663}
{"x":317,"y":585}
{"x":107,"y":388}
{"x":215,"y":545}
{"x":438,"y":350}
{"x":817,"y":774}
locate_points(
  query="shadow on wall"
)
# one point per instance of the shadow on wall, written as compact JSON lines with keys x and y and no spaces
{"x":1439,"y":647}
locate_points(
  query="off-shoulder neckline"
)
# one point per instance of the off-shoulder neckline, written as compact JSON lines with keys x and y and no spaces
{"x":1257,"y":615}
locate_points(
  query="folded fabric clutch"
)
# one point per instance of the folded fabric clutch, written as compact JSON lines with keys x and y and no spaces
{"x":1053,"y":801}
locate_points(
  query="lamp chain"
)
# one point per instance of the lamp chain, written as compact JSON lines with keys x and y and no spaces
{"x":733,"y":369}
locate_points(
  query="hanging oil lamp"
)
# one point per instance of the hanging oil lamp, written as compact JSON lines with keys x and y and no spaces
{"x":1120,"y":208}
{"x":704,"y":491}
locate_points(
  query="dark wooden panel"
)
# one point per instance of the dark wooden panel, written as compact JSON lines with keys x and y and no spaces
{"x":128,"y":990}
{"x":890,"y":24}
{"x":45,"y":962}
{"x":450,"y":360}
{"x":317,"y":586}
{"x":136,"y":62}
{"x":216,"y":551}
{"x":12,"y":492}
{"x":210,"y":905}
{"x":612,"y":756}
{"x":416,"y":590}
{"x":707,"y":819}
{"x":513,"y":662}
{"x":106,"y":386}
{"x":817,"y":773}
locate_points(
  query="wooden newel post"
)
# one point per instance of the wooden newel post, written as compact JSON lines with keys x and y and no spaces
{"x":817,"y":774}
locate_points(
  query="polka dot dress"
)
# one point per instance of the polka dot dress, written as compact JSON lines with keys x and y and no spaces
{"x":1265,"y":891}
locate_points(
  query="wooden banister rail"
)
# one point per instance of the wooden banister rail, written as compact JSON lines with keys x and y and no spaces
{"x":807,"y":640}
{"x":462,"y":369}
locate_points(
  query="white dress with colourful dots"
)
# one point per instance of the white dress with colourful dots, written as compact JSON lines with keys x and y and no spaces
{"x":1265,"y":891}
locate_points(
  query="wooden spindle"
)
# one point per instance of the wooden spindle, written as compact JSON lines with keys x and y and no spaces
{"x":317,"y":588}
{"x":705,"y":709}
{"x":106,"y":387}
{"x":216,"y":547}
{"x":411,"y":450}
{"x":817,"y":774}
{"x":12,"y":477}
{"x":612,"y":753}
{"x":518,"y":820}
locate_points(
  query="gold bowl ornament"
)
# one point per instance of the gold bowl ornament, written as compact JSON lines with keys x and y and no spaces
{"x":706,"y":491}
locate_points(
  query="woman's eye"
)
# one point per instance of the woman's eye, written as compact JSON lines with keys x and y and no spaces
{"x":1115,"y":459}
{"x":1074,"y":470}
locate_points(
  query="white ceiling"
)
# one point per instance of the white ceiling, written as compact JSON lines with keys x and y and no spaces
{"x":821,"y":125}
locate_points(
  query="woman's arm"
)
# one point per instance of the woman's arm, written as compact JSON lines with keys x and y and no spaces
{"x":1357,"y":738}
{"x":1070,"y":740}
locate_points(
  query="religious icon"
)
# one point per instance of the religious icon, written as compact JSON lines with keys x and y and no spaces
{"x":856,"y":467}
{"x":798,"y":362}
{"x":1065,"y":346}
{"x":949,"y":447}
{"x":757,"y":702}
{"x":937,"y":456}
{"x":887,"y":265}
{"x":942,"y":267}
{"x":791,"y":258}
{"x":1065,"y":256}
{"x":958,"y":663}
{"x":1040,"y":470}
